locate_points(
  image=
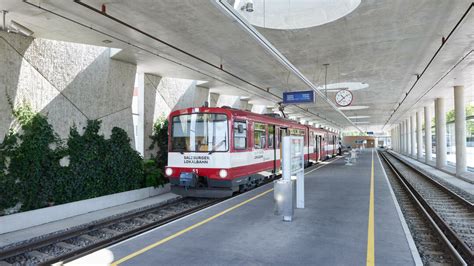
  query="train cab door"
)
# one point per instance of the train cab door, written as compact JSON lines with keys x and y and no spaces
{"x":272,"y":144}
{"x":283,"y":131}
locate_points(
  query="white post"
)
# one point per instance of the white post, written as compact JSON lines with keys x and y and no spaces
{"x":460,"y":129}
{"x":398,"y":137}
{"x":413,"y":136}
{"x":408,"y":133}
{"x":440,"y":133}
{"x":419,"y":136}
{"x":428,"y":138}
{"x":400,"y":142}
{"x":404,"y":138}
{"x":140,"y":105}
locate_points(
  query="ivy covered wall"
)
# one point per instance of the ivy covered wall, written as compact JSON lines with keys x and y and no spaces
{"x":39,"y":169}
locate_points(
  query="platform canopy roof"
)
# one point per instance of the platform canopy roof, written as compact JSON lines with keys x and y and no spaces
{"x":380,"y":50}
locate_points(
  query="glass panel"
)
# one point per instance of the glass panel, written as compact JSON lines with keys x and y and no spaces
{"x":199,"y":133}
{"x":240,"y":138}
{"x":259,"y":136}
{"x":450,"y":143}
{"x":271,"y":136}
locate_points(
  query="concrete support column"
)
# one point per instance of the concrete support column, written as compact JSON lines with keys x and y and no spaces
{"x":408,"y":136}
{"x":428,"y":141}
{"x":402,"y":133}
{"x":244,"y":105}
{"x":140,"y":126}
{"x":399,"y":132}
{"x":413,"y":136}
{"x":213,"y":98}
{"x":419,"y":136}
{"x":460,"y":129}
{"x":259,"y":109}
{"x":229,"y":100}
{"x":149,"y":106}
{"x":440,"y":133}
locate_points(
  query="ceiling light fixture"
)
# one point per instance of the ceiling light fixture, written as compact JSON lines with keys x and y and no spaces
{"x":248,"y":6}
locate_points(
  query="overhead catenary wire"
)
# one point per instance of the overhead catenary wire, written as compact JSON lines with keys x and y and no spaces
{"x":172,"y":60}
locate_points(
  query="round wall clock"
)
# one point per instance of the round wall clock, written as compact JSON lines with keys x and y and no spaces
{"x":344,"y":97}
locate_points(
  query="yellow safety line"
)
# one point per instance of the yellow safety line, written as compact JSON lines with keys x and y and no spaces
{"x":370,"y":235}
{"x":164,"y":240}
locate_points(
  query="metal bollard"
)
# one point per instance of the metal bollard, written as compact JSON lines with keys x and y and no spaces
{"x":284,"y":196}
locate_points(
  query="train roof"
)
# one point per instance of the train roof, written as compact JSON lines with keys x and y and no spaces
{"x":237,"y":113}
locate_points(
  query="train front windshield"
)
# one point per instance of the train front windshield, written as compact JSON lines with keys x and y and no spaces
{"x":201,"y":132}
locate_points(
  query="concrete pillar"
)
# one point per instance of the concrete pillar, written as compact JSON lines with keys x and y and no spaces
{"x":213,"y":98}
{"x":419,"y":136}
{"x":460,"y":129}
{"x":258,"y":109}
{"x":249,"y":107}
{"x":150,"y":87}
{"x":140,"y":125}
{"x":402,"y":133}
{"x":428,"y":138}
{"x":413,"y":136}
{"x":440,"y":133}
{"x":398,"y":137}
{"x":229,"y":100}
{"x":408,"y":136}
{"x":244,"y":105}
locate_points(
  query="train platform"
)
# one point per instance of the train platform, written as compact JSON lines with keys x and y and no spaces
{"x":464,"y":183}
{"x":344,"y":222}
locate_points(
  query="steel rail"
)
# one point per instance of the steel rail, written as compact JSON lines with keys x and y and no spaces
{"x":455,"y":244}
{"x":20,"y":249}
{"x":75,"y":254}
{"x":452,"y":193}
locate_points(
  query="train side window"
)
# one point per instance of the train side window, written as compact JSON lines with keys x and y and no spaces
{"x":240,"y":135}
{"x":271,"y":136}
{"x":259,"y":136}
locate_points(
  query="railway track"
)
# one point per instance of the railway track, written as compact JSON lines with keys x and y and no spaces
{"x":72,"y":244}
{"x":441,"y":220}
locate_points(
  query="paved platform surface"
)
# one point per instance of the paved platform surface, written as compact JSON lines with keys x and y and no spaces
{"x":80,"y":220}
{"x":432,"y":171}
{"x":331,"y":230}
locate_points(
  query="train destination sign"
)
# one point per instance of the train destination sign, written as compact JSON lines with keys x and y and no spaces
{"x":294,"y":97}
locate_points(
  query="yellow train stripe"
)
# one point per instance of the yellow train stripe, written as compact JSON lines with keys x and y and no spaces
{"x":164,"y":240}
{"x":370,"y":235}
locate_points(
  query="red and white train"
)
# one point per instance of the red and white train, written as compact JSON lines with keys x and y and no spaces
{"x":214,"y":152}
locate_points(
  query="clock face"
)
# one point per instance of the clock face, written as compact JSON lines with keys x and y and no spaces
{"x":344,"y":97}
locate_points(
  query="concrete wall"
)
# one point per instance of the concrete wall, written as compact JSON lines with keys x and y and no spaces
{"x":32,"y":218}
{"x":69,"y":82}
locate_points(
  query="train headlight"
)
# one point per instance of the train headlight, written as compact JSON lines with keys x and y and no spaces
{"x":169,"y":171}
{"x":223,"y":173}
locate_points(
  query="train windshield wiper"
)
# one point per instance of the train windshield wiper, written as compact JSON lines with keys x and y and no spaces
{"x":217,"y":146}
